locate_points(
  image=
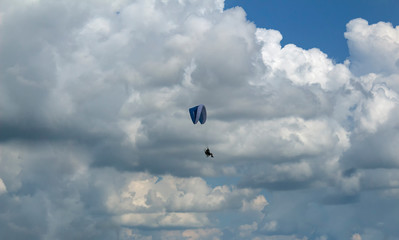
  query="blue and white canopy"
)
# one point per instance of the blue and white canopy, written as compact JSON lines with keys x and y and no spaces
{"x":198,"y":113}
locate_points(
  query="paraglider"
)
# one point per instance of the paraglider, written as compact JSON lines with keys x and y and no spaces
{"x":198,"y":114}
{"x":208,"y":152}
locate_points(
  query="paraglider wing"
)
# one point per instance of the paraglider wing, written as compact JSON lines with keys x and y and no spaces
{"x":198,"y":113}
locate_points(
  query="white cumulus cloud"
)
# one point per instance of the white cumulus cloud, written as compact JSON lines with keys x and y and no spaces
{"x":97,"y":143}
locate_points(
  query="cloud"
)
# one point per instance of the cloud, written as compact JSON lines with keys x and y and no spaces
{"x":3,"y":188}
{"x":202,"y":234}
{"x":247,"y":229}
{"x":96,"y":141}
{"x":282,"y":237}
{"x":356,"y":236}
{"x":150,"y":201}
{"x":373,"y":48}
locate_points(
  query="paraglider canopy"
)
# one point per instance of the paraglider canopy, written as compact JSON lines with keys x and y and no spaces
{"x":198,"y":113}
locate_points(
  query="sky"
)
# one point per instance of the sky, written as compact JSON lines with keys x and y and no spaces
{"x":316,"y":24}
{"x":96,"y":141}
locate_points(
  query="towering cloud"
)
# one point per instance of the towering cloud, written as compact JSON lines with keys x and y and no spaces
{"x":96,"y":141}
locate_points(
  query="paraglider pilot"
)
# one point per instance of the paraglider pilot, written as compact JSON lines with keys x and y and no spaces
{"x":208,"y":152}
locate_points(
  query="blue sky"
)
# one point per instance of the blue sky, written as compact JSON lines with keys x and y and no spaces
{"x":316,"y":23}
{"x":96,"y":140}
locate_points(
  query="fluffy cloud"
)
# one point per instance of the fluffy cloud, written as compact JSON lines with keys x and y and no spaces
{"x":356,"y":236}
{"x":96,"y":140}
{"x":373,"y":48}
{"x":3,"y":187}
{"x":174,"y":202}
